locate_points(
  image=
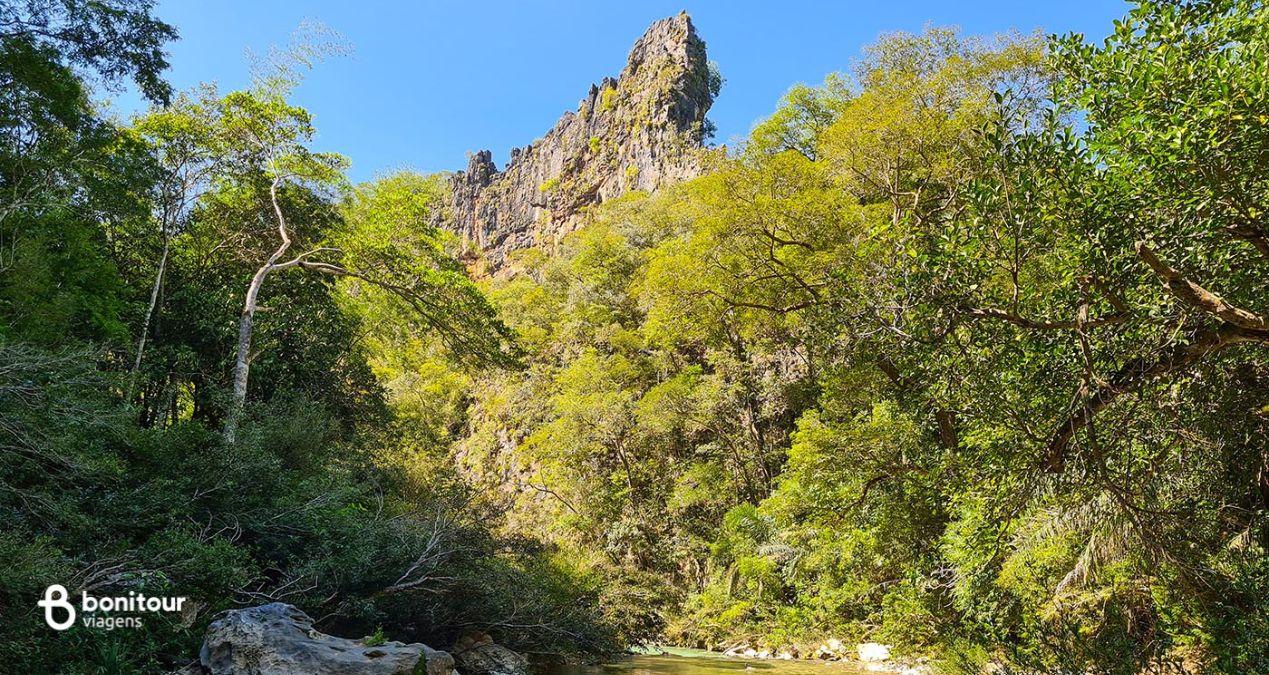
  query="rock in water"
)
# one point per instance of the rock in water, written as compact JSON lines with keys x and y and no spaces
{"x":640,"y":131}
{"x":476,"y":654}
{"x":873,"y":651}
{"x":279,"y":639}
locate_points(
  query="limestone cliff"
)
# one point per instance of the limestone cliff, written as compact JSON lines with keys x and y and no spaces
{"x":637,"y":132}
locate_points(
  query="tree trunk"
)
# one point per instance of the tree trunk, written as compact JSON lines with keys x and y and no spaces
{"x":246,"y":323}
{"x":149,"y":313}
{"x":242,"y":364}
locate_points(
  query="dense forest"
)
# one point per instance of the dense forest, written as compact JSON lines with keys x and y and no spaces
{"x":965,"y":350}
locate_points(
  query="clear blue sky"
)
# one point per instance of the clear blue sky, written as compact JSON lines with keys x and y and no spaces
{"x":429,"y":82}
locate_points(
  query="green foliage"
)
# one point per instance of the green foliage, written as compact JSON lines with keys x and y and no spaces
{"x":716,"y":79}
{"x":831,"y":383}
{"x":333,"y":497}
{"x":608,"y":99}
{"x":398,"y":270}
{"x":802,"y":117}
{"x":376,"y":638}
{"x":111,"y":38}
{"x":962,"y":352}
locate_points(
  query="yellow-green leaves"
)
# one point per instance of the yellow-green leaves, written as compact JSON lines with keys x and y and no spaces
{"x":399,"y":272}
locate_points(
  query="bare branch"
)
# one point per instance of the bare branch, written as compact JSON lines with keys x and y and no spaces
{"x":299,"y":259}
{"x":1034,"y":324}
{"x":1199,"y":297}
{"x":1253,"y":235}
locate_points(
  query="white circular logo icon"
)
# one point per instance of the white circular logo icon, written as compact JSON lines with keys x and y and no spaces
{"x":55,"y":597}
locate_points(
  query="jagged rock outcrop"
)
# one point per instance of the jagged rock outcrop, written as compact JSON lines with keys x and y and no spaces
{"x":640,"y":131}
{"x":279,"y":639}
{"x":477,"y":654}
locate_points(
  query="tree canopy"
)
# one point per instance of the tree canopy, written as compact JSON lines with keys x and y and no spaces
{"x":962,"y":351}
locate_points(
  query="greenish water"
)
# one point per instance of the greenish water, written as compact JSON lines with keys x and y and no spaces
{"x":675,"y":661}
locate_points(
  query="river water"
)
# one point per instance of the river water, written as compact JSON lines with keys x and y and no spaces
{"x":675,"y":661}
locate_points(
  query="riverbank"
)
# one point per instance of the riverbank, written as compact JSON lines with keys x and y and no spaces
{"x":869,"y":658}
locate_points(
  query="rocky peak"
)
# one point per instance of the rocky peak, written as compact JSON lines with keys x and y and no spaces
{"x":639,"y":131}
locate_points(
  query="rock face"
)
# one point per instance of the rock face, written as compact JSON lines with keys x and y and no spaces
{"x":476,"y":654}
{"x":279,"y":639}
{"x":640,"y":131}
